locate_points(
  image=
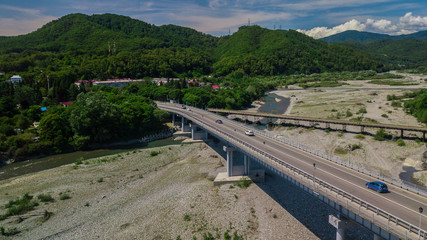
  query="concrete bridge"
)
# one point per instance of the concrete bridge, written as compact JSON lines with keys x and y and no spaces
{"x":297,"y":120}
{"x":394,"y":215}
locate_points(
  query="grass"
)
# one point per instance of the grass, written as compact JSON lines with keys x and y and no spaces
{"x":64,"y":196}
{"x":45,"y":198}
{"x":154,"y":153}
{"x":19,"y":206}
{"x":244,"y":183}
{"x":400,"y":142}
{"x":362,"y":110}
{"x":187,"y":218}
{"x":340,"y":150}
{"x":9,"y":231}
{"x":360,"y":136}
{"x":391,"y":83}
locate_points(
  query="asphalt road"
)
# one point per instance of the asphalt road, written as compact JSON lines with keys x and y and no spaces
{"x":398,"y":202}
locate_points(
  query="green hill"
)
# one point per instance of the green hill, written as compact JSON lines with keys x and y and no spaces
{"x":268,"y":52}
{"x":79,"y":32}
{"x":79,"y":46}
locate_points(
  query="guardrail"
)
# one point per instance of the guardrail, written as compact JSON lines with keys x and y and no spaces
{"x":262,"y":154}
{"x":400,"y":183}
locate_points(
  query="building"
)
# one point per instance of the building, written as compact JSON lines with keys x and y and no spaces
{"x":109,"y":82}
{"x":15,"y":79}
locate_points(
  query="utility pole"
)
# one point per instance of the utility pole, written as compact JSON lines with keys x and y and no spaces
{"x":249,"y":21}
{"x":349,"y":151}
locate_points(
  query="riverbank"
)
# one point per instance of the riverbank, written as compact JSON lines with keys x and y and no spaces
{"x":160,"y":193}
{"x":371,"y":103}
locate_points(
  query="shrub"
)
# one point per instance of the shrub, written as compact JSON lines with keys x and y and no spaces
{"x":154,"y":153}
{"x":340,"y":150}
{"x":327,"y":130}
{"x":20,"y":206}
{"x":384,"y":115}
{"x":45,"y":198}
{"x":64,"y":196}
{"x":381,"y":135}
{"x":400,"y":142}
{"x":100,"y":180}
{"x":360,"y":136}
{"x":187,"y":218}
{"x":79,"y":161}
{"x":396,"y":104}
{"x":356,"y":146}
{"x":348,"y":113}
{"x":362,"y":110}
{"x":244,"y":183}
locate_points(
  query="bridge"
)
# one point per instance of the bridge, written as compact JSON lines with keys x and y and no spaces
{"x":393,"y":215}
{"x":327,"y":122}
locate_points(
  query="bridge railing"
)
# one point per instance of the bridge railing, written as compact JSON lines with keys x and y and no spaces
{"x":400,"y":183}
{"x":257,"y":153}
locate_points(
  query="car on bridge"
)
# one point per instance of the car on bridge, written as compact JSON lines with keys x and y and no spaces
{"x":377,"y":186}
{"x":249,"y":133}
{"x":218,"y":121}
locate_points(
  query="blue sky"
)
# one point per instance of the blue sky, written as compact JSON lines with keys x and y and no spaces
{"x":317,"y":18}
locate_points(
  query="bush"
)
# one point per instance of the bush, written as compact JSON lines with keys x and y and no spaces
{"x":381,"y":135}
{"x":400,"y":142}
{"x":362,"y":110}
{"x":384,"y":115}
{"x":340,"y":150}
{"x":20,"y":206}
{"x":360,"y":136}
{"x":187,"y":218}
{"x":64,"y":196}
{"x":348,"y":113}
{"x":45,"y":198}
{"x":154,"y":153}
{"x":244,"y":183}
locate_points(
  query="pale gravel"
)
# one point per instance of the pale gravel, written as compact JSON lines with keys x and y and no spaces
{"x":385,"y":156}
{"x":175,"y":183}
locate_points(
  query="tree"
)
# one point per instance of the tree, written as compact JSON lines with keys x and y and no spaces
{"x":95,"y":117}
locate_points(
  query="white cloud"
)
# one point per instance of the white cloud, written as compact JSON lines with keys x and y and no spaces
{"x":13,"y":27}
{"x":21,"y":20}
{"x":321,"y":32}
{"x":406,"y":25}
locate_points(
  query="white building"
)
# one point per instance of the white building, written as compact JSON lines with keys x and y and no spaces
{"x":16,"y":79}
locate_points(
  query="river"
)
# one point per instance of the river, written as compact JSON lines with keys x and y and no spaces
{"x":53,"y":161}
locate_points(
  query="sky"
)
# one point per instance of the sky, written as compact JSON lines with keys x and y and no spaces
{"x":316,"y":18}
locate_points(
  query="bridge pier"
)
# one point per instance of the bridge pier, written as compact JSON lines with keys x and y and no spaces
{"x":173,"y":119}
{"x":401,"y":133}
{"x":230,"y":153}
{"x":377,"y":237}
{"x":184,"y":127}
{"x":340,"y":224}
{"x":246,"y":165}
{"x":328,"y":126}
{"x":198,"y":135}
{"x":362,"y":129}
{"x":344,"y":127}
{"x":424,"y":136}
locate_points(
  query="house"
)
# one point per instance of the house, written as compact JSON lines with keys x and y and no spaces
{"x":15,"y":79}
{"x":65,"y":104}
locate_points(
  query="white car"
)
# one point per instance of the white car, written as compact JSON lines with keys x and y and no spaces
{"x":249,"y":132}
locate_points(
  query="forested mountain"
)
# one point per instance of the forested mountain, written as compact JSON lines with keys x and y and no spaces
{"x":78,"y":46}
{"x":409,"y":53}
{"x":261,"y":51}
{"x":363,"y":37}
{"x":93,"y":34}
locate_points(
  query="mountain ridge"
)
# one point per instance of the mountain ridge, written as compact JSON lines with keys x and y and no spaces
{"x":363,"y":37}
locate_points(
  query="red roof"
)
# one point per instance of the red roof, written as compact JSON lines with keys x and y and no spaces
{"x":65,"y":103}
{"x":215,"y":86}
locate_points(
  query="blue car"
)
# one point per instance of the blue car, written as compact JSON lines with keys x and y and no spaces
{"x":377,"y":186}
